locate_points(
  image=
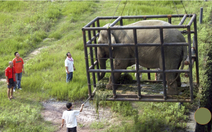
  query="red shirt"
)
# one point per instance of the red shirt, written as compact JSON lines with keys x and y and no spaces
{"x":8,"y":72}
{"x":18,"y":64}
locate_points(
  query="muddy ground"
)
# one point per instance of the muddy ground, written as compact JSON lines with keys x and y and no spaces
{"x":53,"y":111}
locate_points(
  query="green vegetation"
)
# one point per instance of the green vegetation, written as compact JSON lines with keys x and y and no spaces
{"x":56,"y":26}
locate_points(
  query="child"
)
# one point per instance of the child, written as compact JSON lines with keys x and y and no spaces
{"x":11,"y":81}
{"x":70,"y":117}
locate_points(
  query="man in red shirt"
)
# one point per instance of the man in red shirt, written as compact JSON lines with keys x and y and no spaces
{"x":19,"y":67}
{"x":11,"y":81}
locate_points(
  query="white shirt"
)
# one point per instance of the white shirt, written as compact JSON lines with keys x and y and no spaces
{"x":70,"y":118}
{"x":70,"y":65}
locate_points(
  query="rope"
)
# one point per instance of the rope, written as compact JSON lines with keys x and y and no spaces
{"x":182,"y":66}
{"x":87,"y":99}
{"x":90,"y":96}
{"x":184,"y":7}
{"x":175,"y":7}
{"x":114,"y":13}
{"x":184,"y":10}
{"x":124,"y":8}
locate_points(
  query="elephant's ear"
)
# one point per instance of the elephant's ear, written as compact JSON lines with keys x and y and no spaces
{"x":113,"y":41}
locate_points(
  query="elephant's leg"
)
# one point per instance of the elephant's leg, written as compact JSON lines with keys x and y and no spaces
{"x":173,"y":81}
{"x":116,"y":77}
{"x":172,"y":85}
{"x":118,"y":64}
{"x":179,"y":81}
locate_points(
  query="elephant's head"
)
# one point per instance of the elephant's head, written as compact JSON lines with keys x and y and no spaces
{"x":103,"y":52}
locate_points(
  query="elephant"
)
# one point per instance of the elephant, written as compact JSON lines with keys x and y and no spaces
{"x":149,"y":56}
{"x":140,"y":68}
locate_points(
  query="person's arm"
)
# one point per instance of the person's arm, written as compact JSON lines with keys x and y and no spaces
{"x":14,"y":74}
{"x":62,"y":124}
{"x":81,"y":108}
{"x":67,"y":69}
{"x":74,"y":67}
{"x":23,"y":69}
{"x":66,"y":65}
{"x":7,"y":80}
{"x":15,"y":78}
{"x":6,"y":75}
{"x":22,"y":66}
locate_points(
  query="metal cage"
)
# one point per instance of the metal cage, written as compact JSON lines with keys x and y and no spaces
{"x":91,"y":32}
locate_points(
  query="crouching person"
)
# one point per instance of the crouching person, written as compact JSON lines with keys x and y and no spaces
{"x":69,"y":117}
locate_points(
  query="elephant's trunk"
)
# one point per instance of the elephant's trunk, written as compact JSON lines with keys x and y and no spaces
{"x":102,"y":63}
{"x":102,"y":57}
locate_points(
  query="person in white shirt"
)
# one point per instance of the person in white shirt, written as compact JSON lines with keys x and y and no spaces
{"x":69,"y":64}
{"x":69,"y":117}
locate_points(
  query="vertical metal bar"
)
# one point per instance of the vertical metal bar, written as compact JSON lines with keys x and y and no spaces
{"x":96,"y":51}
{"x":86,"y":63}
{"x":137,"y":63}
{"x":149,"y":77}
{"x":111,"y":64}
{"x":196,"y":48}
{"x":169,"y":19}
{"x":200,"y":17}
{"x":121,"y":22}
{"x":91,"y":55}
{"x":98,"y":25}
{"x":95,"y":48}
{"x":190,"y":65}
{"x":163,"y":61}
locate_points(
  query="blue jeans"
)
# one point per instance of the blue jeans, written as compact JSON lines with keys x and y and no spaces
{"x":18,"y":79}
{"x":69,"y":76}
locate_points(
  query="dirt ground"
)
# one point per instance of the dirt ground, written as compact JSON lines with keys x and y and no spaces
{"x":53,"y":111}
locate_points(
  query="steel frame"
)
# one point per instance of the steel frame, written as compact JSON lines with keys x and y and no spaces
{"x":93,"y":68}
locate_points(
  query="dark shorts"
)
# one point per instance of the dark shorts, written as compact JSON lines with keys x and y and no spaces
{"x":72,"y":129}
{"x":11,"y":83}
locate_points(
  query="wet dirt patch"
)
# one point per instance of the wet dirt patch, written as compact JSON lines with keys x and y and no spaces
{"x":2,"y":80}
{"x":53,"y":110}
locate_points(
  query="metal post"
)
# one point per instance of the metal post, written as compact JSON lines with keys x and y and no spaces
{"x":121,"y":22}
{"x":196,"y":48}
{"x":98,"y":25}
{"x":97,"y":58}
{"x":111,"y":64}
{"x":92,"y":62}
{"x":95,"y":48}
{"x":163,"y":61}
{"x":137,"y":63}
{"x":86,"y":62}
{"x":201,"y":13}
{"x":149,"y":77}
{"x":170,"y":19}
{"x":190,"y":65}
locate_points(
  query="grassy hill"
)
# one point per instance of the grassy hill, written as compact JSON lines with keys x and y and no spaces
{"x":56,"y":26}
